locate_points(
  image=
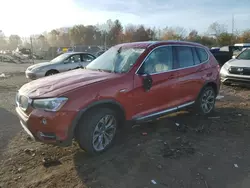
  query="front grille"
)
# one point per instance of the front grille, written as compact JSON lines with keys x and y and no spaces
{"x":22,"y":101}
{"x":240,"y":70}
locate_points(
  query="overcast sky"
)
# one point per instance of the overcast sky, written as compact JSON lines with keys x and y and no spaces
{"x":25,"y":17}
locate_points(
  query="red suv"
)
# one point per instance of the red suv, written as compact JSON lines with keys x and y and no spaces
{"x":136,"y":82}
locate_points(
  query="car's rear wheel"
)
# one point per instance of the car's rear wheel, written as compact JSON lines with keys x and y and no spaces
{"x":51,"y":72}
{"x":205,"y":103}
{"x":96,"y":130}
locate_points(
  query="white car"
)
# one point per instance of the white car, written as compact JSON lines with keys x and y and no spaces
{"x":237,"y":70}
{"x":62,"y":63}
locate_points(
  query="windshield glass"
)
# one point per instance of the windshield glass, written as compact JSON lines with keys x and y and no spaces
{"x":245,"y":55}
{"x":118,"y":60}
{"x":59,"y":58}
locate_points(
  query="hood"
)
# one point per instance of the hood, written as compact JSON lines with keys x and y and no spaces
{"x":238,"y":63}
{"x":38,"y":65}
{"x":59,"y":84}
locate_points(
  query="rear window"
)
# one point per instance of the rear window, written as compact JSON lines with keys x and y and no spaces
{"x":203,"y":56}
{"x":195,"y":56}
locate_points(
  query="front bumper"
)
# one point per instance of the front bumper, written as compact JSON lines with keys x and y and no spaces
{"x":34,"y":75}
{"x":56,"y":131}
{"x":230,"y":78}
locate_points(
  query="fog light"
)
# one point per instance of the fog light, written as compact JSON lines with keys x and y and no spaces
{"x":46,"y":136}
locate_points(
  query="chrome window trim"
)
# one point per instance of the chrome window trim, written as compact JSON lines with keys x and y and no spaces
{"x":173,"y":45}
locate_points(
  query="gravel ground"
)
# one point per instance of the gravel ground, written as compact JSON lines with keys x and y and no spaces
{"x":182,"y":150}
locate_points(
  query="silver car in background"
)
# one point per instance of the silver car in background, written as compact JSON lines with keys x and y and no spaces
{"x":62,"y":63}
{"x":236,"y":70}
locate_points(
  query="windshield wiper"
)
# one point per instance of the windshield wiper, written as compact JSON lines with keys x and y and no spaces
{"x":110,"y":71}
{"x":103,"y":70}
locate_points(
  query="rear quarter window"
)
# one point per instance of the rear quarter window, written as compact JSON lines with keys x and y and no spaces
{"x":203,"y":56}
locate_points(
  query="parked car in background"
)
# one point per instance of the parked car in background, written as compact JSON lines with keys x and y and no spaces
{"x":223,"y":54}
{"x":61,"y":63}
{"x":99,"y":53}
{"x":133,"y":82}
{"x":237,"y":70}
{"x":240,"y":46}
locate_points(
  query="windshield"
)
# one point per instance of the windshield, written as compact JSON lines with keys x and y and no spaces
{"x":59,"y":58}
{"x":118,"y":60}
{"x":245,"y":55}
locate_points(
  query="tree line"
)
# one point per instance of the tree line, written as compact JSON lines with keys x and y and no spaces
{"x":113,"y":32}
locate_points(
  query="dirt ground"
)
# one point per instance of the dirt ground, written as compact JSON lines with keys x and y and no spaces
{"x":182,"y":150}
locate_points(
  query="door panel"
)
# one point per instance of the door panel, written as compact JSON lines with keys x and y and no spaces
{"x":162,"y":94}
{"x":86,"y":59}
{"x":73,"y":62}
{"x":190,"y":73}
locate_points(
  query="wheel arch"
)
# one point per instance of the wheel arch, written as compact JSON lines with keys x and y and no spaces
{"x":107,"y":103}
{"x":211,"y":84}
{"x":51,"y":70}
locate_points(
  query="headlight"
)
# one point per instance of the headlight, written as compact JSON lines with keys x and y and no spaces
{"x":49,"y":104}
{"x":226,"y":66}
{"x":37,"y":69}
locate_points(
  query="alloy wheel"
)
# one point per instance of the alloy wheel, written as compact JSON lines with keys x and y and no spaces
{"x":104,"y":132}
{"x":208,"y":101}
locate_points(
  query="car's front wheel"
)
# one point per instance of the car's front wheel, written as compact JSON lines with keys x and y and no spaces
{"x":96,"y":130}
{"x":226,"y":83}
{"x":51,"y":72}
{"x":206,"y":101}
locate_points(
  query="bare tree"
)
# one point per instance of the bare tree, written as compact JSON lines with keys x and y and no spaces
{"x":14,"y":41}
{"x":216,"y":29}
{"x":245,"y":37}
{"x":3,"y":42}
{"x":115,"y":34}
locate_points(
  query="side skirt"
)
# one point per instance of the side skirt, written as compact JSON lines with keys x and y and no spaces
{"x":156,"y":115}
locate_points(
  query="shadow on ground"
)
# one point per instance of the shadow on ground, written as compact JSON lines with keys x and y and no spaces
{"x":8,"y":127}
{"x":182,"y":150}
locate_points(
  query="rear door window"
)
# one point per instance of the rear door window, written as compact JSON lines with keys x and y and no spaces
{"x":184,"y":56}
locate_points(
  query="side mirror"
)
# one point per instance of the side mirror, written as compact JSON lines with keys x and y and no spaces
{"x":233,"y":57}
{"x":147,"y":82}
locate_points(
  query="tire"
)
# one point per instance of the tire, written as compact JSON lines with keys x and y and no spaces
{"x":207,"y":96}
{"x":86,"y":130}
{"x":51,"y":72}
{"x":226,"y":83}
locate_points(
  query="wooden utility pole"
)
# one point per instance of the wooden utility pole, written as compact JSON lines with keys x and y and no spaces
{"x":105,"y":41}
{"x":31,"y":48}
{"x":233,"y":24}
{"x":232,"y":38}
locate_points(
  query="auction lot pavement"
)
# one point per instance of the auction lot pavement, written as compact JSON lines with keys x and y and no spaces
{"x":182,"y":150}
